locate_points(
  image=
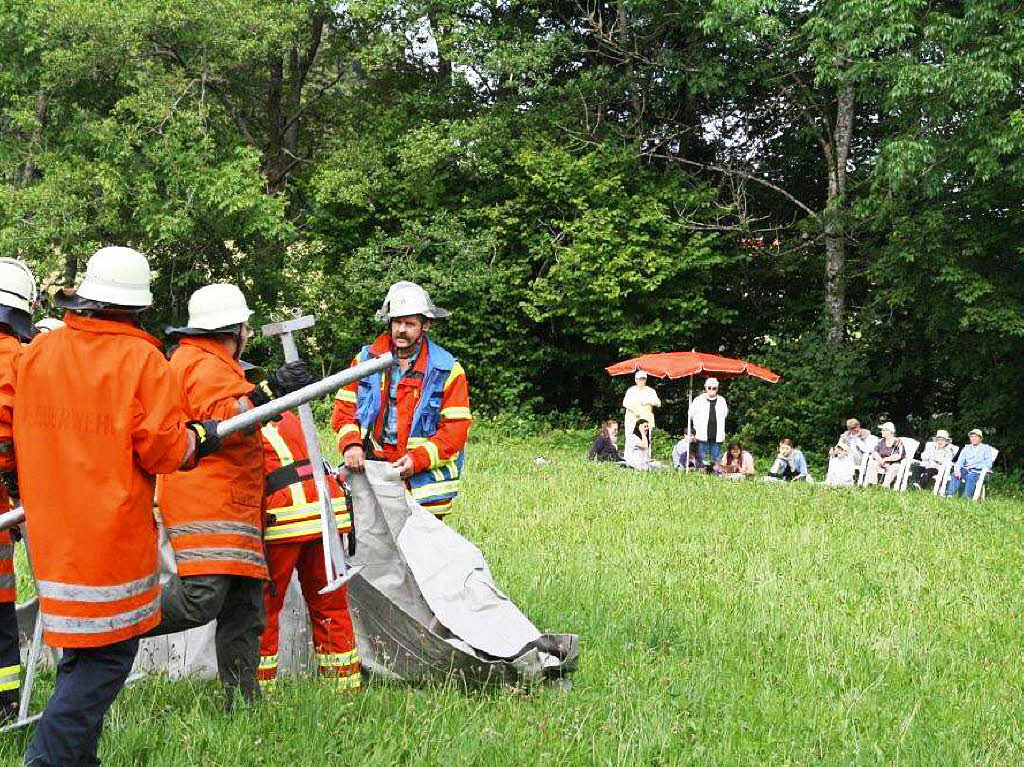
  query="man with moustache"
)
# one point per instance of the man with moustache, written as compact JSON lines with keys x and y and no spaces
{"x":417,"y":415}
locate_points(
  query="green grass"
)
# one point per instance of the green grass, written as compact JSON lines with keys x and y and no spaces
{"x":721,"y":623}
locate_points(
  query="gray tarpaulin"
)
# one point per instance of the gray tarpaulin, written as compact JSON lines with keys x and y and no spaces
{"x":425,"y":605}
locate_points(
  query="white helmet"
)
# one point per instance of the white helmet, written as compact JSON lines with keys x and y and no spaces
{"x":17,"y":285}
{"x":217,"y":306}
{"x":118,"y":276}
{"x":406,"y":298}
{"x":47,"y":324}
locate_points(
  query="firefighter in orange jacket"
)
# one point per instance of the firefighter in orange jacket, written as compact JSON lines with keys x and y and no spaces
{"x":416,"y":416}
{"x":17,"y":297}
{"x":294,"y":542}
{"x":214,"y":515}
{"x":97,"y":399}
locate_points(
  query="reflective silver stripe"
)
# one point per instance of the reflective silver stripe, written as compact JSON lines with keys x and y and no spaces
{"x":73,"y":592}
{"x":7,"y":581}
{"x":240,"y":555}
{"x":214,"y":528}
{"x":76,"y":625}
{"x":6,"y":550}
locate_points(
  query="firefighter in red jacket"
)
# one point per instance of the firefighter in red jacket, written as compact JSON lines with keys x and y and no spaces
{"x":214,"y":515}
{"x":416,"y":415}
{"x":294,"y":542}
{"x":97,"y":399}
{"x":17,"y":296}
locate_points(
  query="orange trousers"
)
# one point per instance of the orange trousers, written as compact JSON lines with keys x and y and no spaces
{"x":333,"y":638}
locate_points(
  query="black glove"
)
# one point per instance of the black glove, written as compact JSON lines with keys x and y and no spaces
{"x":207,"y":441}
{"x":286,"y":379}
{"x":10,"y":480}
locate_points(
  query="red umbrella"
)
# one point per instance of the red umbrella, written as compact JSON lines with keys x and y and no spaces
{"x":687,"y":365}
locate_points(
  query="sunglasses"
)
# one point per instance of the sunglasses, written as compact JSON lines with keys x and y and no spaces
{"x":710,"y":388}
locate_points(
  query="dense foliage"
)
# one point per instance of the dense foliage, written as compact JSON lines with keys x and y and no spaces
{"x":833,"y":188}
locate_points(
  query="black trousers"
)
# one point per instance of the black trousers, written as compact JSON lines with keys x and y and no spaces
{"x":10,"y":661}
{"x":88,"y":680}
{"x":236,"y":603}
{"x":922,"y":475}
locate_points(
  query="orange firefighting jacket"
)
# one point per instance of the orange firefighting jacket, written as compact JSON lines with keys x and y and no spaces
{"x":214,"y":513}
{"x":436,"y":451}
{"x":9,"y":347}
{"x":293,"y":511}
{"x":94,"y":413}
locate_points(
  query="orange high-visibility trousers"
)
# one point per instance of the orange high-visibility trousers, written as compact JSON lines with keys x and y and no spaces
{"x":333,"y":637}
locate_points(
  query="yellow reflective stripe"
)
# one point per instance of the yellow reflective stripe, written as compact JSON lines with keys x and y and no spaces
{"x":435,"y":488}
{"x":456,"y":372}
{"x":292,"y":513}
{"x":10,"y":678}
{"x":344,"y":395}
{"x":348,"y":428}
{"x":268,"y":662}
{"x":456,"y":413}
{"x":431,"y":448}
{"x":284,"y":455}
{"x":338,"y":659}
{"x":343,"y":681}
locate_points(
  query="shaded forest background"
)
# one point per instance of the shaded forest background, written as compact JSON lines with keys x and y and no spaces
{"x":832,"y":188}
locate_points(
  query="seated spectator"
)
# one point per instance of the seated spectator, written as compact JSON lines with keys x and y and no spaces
{"x":790,"y":464}
{"x":605,"y":447}
{"x":936,"y":454}
{"x":886,"y":458}
{"x":841,"y":465}
{"x":679,"y":452}
{"x":969,"y":464}
{"x":858,"y":441}
{"x":737,"y":463}
{"x":638,"y":448}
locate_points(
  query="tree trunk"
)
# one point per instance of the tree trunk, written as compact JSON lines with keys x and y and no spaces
{"x":835,"y":240}
{"x":29,"y":171}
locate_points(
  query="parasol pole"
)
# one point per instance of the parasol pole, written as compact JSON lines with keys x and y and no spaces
{"x":689,"y":442}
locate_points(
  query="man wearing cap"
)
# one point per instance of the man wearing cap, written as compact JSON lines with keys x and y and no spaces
{"x":98,"y":400}
{"x":936,"y":454}
{"x":708,"y":412}
{"x":214,"y":515}
{"x":639,"y":403}
{"x":17,"y":297}
{"x":417,"y":415}
{"x":969,"y":464}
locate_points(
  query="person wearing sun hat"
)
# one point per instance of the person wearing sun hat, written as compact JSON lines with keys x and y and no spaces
{"x":639,"y":403}
{"x":937,"y":454}
{"x":969,"y":464}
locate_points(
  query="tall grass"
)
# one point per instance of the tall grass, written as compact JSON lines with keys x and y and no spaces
{"x":721,"y":623}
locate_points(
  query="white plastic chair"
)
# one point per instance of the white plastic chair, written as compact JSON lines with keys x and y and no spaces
{"x":869,"y":445}
{"x":909,"y":450}
{"x":942,"y":478}
{"x":979,"y":489}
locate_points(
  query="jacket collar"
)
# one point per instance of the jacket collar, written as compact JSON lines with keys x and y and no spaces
{"x":107,"y":327}
{"x":214,"y":347}
{"x":382,"y":345}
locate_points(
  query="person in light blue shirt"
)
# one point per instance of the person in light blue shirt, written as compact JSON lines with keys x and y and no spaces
{"x":968,"y":467}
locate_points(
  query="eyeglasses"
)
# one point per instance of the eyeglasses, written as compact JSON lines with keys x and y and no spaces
{"x":710,"y":388}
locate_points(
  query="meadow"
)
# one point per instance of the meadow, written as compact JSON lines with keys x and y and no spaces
{"x":720,"y":622}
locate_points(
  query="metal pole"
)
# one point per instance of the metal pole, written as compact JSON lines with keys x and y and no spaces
{"x":689,"y":402}
{"x":266,"y":412}
{"x":329,"y":385}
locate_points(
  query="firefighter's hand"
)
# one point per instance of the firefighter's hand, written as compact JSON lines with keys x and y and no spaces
{"x":355,"y":459}
{"x":404,"y":466}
